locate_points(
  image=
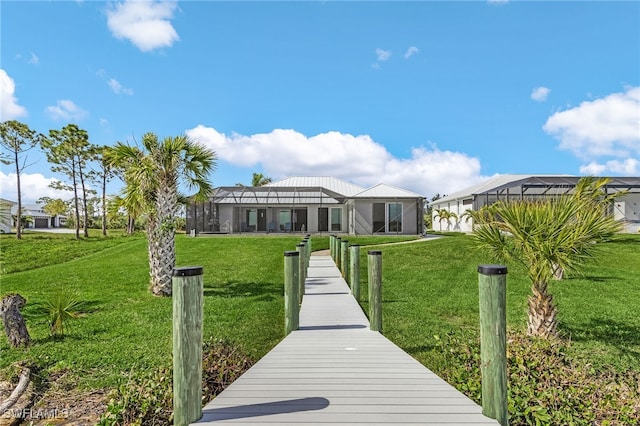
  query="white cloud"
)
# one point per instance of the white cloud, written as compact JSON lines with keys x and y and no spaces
{"x":609,"y":126}
{"x":540,"y":93}
{"x":355,"y":158}
{"x":9,"y":108}
{"x":382,"y":55}
{"x":33,"y":186}
{"x":66,"y":110}
{"x":145,"y":23}
{"x":411,"y":51}
{"x":119,"y":88}
{"x":628,"y":167}
{"x":33,"y":60}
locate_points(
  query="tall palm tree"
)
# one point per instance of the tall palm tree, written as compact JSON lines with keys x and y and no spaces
{"x":152,"y":178}
{"x":544,"y":235}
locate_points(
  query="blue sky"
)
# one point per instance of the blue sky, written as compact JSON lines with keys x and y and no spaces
{"x":428,"y":96}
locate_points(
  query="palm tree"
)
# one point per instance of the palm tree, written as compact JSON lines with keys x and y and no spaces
{"x":258,"y":179}
{"x":442,"y":215}
{"x":545,"y":235}
{"x":152,"y":178}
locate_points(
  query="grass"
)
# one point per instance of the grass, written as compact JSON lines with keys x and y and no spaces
{"x":429,"y":289}
{"x":124,"y":327}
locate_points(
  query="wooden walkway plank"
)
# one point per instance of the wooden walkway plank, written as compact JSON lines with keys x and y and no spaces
{"x":334,"y":370}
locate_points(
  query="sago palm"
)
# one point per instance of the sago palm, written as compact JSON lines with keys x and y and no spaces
{"x":153,"y":176}
{"x":544,"y":236}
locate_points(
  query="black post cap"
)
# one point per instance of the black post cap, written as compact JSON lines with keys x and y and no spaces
{"x":291,"y":253}
{"x":492,"y":269}
{"x":301,"y":245}
{"x":355,"y":245}
{"x":187,"y":271}
{"x":375,"y":252}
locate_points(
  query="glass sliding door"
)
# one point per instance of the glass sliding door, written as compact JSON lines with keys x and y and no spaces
{"x":336,"y":219}
{"x":378,"y":216}
{"x":323,"y":219}
{"x":394,"y":217}
{"x":284,"y":220}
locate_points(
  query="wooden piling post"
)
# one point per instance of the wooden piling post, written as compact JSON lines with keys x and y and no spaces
{"x":338,"y":256}
{"x":375,"y":290}
{"x":302,"y":260}
{"x":332,"y":246}
{"x":187,"y":344}
{"x":291,"y":286}
{"x":354,"y":280}
{"x":308,"y":251}
{"x":344,"y":260}
{"x":493,"y":341}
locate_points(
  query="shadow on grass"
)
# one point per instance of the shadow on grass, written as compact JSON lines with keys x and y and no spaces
{"x":618,"y":334}
{"x":266,"y":291}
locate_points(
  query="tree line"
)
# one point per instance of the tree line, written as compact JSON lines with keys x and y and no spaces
{"x":152,"y":173}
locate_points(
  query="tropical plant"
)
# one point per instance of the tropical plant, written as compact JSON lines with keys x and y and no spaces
{"x":258,"y":179}
{"x":17,"y":138}
{"x":152,"y":176}
{"x":63,"y":307}
{"x":445,"y":215}
{"x":545,"y":235}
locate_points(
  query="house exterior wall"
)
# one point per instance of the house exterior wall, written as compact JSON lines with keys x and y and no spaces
{"x":458,"y":207}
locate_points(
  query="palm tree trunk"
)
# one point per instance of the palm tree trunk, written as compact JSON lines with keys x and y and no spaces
{"x":542,"y":312}
{"x":163,"y":256}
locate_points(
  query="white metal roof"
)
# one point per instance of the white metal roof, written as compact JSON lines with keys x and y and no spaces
{"x":332,"y":184}
{"x":382,"y":190}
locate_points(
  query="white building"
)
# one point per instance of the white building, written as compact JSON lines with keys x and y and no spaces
{"x":40,"y":219}
{"x":503,"y":187}
{"x":309,"y":204}
{"x":5,"y":211}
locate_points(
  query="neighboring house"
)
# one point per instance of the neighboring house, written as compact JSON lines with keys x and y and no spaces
{"x":5,"y":211}
{"x":40,"y":219}
{"x":311,"y":205}
{"x":504,"y":187}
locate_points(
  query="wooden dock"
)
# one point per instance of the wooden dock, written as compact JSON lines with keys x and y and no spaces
{"x":334,"y":370}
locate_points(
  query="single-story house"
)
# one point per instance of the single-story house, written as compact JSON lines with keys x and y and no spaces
{"x":309,"y":204}
{"x":5,"y":212}
{"x":40,"y":219}
{"x":504,"y":187}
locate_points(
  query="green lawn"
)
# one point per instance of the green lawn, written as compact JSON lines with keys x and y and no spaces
{"x":430,"y":288}
{"x":123,"y":326}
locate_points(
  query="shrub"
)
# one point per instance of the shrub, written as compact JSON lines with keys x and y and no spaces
{"x":546,"y":387}
{"x":146,"y":398}
{"x":63,"y":307}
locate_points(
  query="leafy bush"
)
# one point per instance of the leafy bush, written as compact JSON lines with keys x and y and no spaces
{"x":546,"y":387}
{"x":222,"y":364}
{"x":146,"y":398}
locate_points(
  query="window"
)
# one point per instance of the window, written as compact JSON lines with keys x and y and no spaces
{"x":336,"y":219}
